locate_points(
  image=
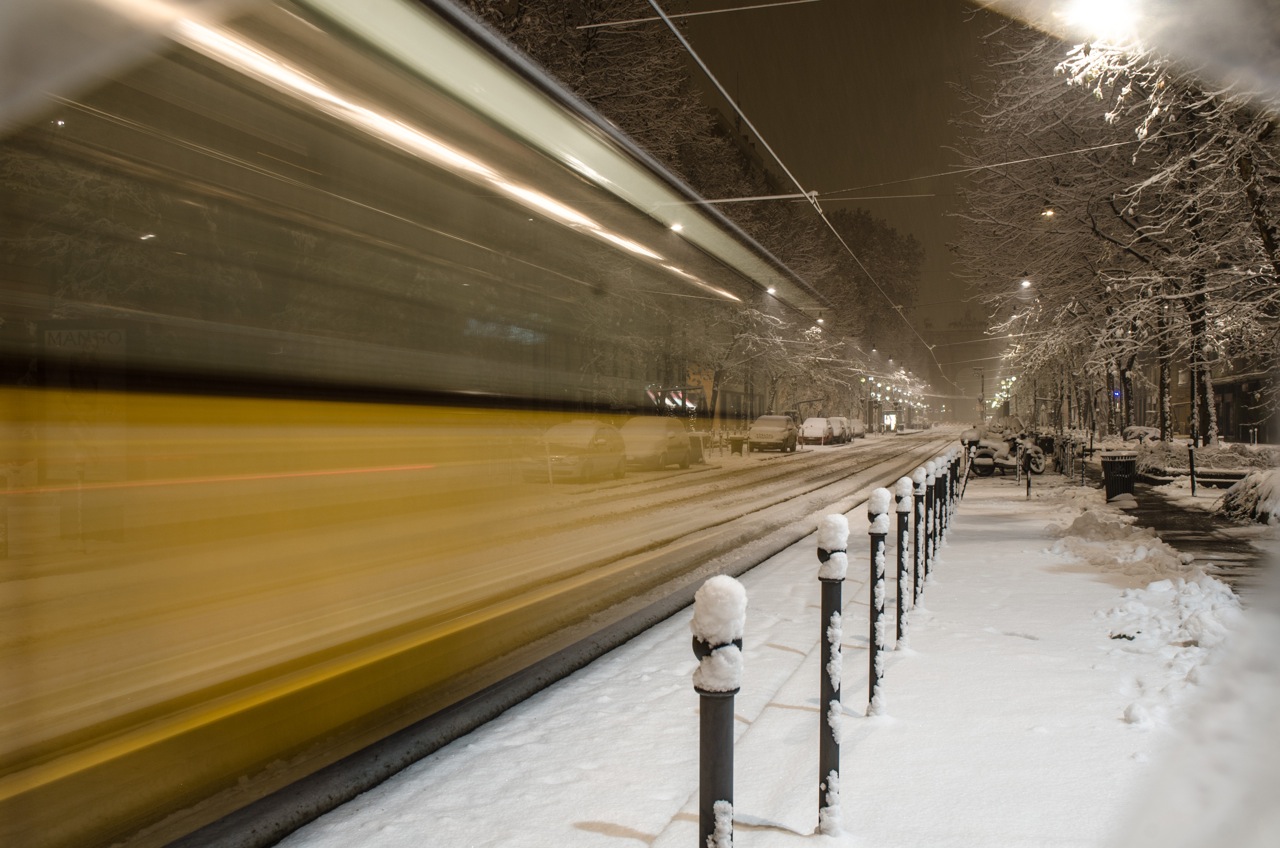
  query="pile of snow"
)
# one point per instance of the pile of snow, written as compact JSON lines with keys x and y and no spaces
{"x":1184,"y":622}
{"x":833,"y":539}
{"x":1109,"y":541}
{"x":1196,"y":612}
{"x":878,"y":506}
{"x":1216,"y":785}
{"x":1172,"y":456}
{"x":719,"y":617}
{"x":1255,"y":498}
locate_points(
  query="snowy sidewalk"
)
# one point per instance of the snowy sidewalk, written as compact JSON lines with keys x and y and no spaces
{"x":1041,"y":683}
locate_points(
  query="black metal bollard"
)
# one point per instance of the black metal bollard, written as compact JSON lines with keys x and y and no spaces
{"x":878,"y":515}
{"x":929,"y":546}
{"x":939,"y":501}
{"x":1191,"y":464}
{"x":719,"y":612}
{"x":833,"y":539}
{"x":918,"y":482}
{"x":947,"y":462}
{"x":902,"y":491}
{"x":955,"y":480}
{"x":968,"y":469}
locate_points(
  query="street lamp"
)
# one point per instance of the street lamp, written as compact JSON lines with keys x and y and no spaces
{"x":1110,"y":20}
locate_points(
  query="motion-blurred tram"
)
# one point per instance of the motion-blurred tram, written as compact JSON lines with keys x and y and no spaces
{"x":284,"y":294}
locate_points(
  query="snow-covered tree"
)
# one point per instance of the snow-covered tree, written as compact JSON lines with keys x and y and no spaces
{"x":1135,"y":205}
{"x":637,"y":76}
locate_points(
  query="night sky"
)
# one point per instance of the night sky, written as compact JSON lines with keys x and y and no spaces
{"x":855,"y":93}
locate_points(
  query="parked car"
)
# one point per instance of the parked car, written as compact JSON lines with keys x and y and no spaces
{"x":656,"y":441}
{"x":773,"y":432}
{"x":577,"y":450}
{"x":840,"y":429}
{"x":857,"y":429}
{"x":816,"y":431}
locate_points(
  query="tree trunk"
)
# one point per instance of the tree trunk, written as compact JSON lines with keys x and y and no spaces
{"x":1126,"y":391}
{"x":1209,"y":409}
{"x":1111,"y":399}
{"x":717,"y":377}
{"x":1203,"y":416}
{"x":1193,"y":418}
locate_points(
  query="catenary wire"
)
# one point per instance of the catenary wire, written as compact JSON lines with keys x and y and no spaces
{"x":693,"y":54}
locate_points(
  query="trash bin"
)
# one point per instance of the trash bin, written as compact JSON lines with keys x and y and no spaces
{"x":735,"y":444}
{"x":1119,"y":471}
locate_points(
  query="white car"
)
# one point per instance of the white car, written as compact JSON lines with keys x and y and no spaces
{"x":656,"y":441}
{"x":841,"y":430}
{"x":816,"y":431}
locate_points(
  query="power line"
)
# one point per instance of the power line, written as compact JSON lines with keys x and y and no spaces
{"x":827,"y":195}
{"x":793,"y":196}
{"x":807,"y":195}
{"x":696,"y":14}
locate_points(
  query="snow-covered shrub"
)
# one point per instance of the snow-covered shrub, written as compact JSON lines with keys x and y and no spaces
{"x":1172,"y":456}
{"x":1255,"y":498}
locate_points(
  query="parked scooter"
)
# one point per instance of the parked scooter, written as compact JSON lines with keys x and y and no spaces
{"x":991,"y":455}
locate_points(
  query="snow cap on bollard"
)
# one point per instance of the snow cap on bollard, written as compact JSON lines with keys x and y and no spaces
{"x":719,"y":616}
{"x":833,"y":544}
{"x":919,"y":478}
{"x":902,"y":491}
{"x":878,"y":511}
{"x":930,"y":471}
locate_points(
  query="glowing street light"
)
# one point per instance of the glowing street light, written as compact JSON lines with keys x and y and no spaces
{"x":1114,"y":21}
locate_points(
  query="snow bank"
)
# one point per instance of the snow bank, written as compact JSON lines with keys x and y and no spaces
{"x":1109,"y":542}
{"x":1172,"y":456}
{"x":1216,"y":784}
{"x":1255,"y":498}
{"x":1198,"y":612}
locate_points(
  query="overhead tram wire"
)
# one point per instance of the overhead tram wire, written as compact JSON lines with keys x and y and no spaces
{"x":986,"y":167}
{"x":812,"y":199}
{"x":698,"y":14}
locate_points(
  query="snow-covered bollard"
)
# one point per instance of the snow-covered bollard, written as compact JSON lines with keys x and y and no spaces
{"x":902,"y":491}
{"x":939,"y":502}
{"x":719,"y":614}
{"x":955,"y":479}
{"x":918,"y":481}
{"x":953,"y":470}
{"x":878,"y":515}
{"x":970,"y":452}
{"x":1191,"y":465}
{"x":930,"y":543}
{"x":833,"y":559}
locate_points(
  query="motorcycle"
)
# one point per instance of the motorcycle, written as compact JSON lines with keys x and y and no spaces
{"x":990,"y":455}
